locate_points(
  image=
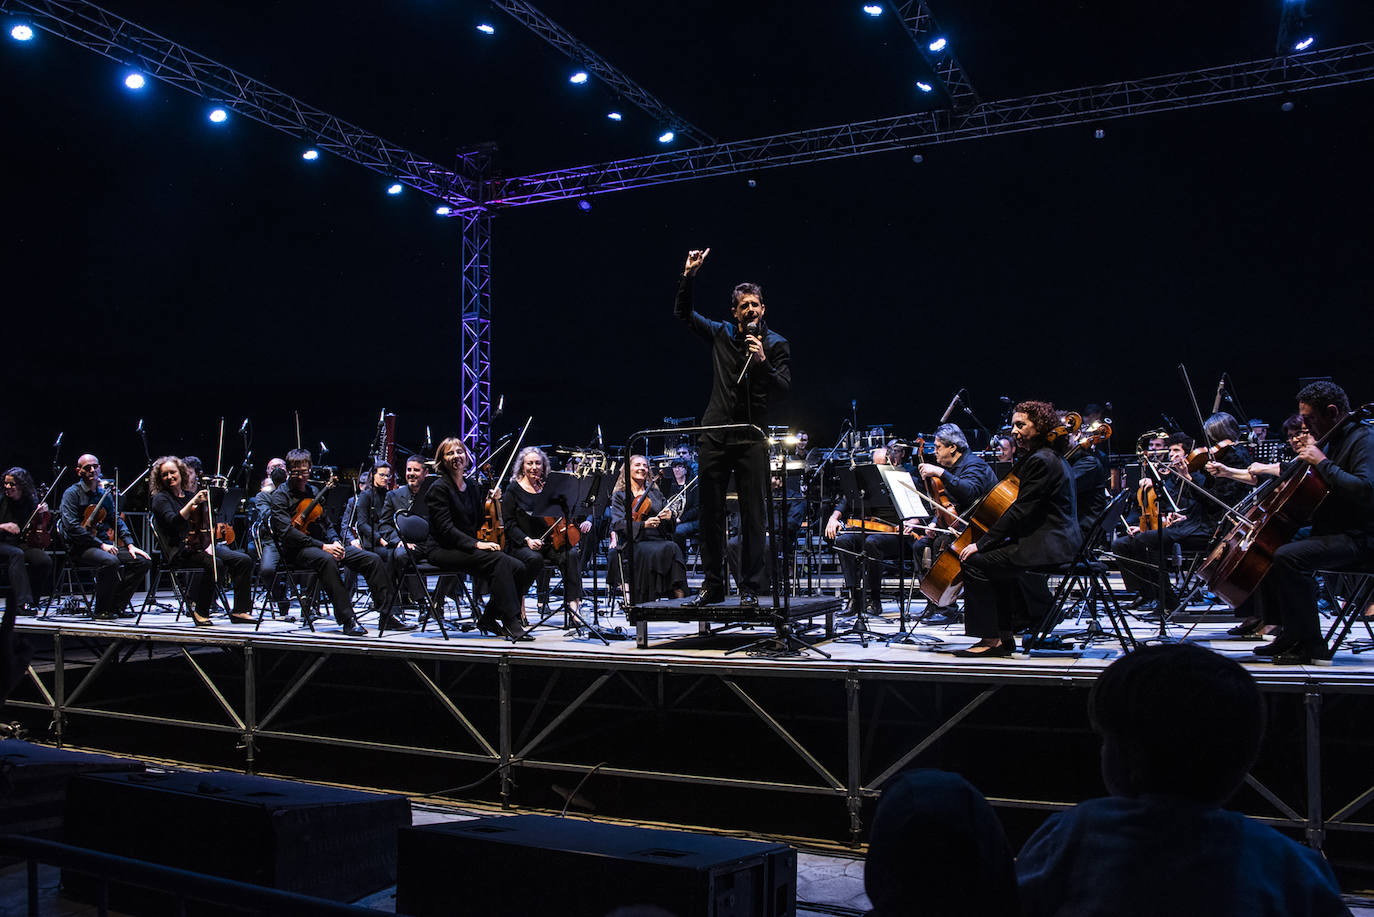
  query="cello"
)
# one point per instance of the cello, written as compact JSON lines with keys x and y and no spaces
{"x":1234,"y":567}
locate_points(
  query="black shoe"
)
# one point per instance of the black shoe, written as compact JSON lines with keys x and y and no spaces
{"x":943,"y":619}
{"x":102,"y":616}
{"x":393,"y":623}
{"x":355,"y":630}
{"x":703,"y":598}
{"x":1005,"y":648}
{"x":125,"y":613}
{"x":515,"y":634}
{"x":1283,"y":644}
{"x":748,"y":600}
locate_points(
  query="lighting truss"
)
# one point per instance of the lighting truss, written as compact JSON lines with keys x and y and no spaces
{"x":1128,"y":98}
{"x":101,"y":31}
{"x":922,"y":28}
{"x":594,"y":63}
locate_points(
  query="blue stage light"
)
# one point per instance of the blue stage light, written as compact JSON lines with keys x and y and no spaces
{"x":218,"y":116}
{"x":21,"y":33}
{"x":938,"y":45}
{"x":1304,"y":44}
{"x":924,"y":87}
{"x":311,"y":155}
{"x":666,"y":137}
{"x":584,"y":205}
{"x":394,"y":188}
{"x":873,"y":9}
{"x":443,"y":210}
{"x":135,"y":81}
{"x":579,"y":77}
{"x":486,"y":29}
{"x":614,"y":115}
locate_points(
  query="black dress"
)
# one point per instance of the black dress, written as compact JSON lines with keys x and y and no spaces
{"x":658,"y":566}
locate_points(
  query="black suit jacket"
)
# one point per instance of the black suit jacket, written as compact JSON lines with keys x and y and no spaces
{"x":1042,"y":523}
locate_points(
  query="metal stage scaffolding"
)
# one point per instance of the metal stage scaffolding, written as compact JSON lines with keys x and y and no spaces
{"x":667,"y":735}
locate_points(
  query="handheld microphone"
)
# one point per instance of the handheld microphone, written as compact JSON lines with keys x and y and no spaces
{"x":751,"y":328}
{"x":243,"y":426}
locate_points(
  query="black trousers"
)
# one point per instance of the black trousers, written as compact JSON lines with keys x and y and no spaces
{"x":1001,"y":596}
{"x":878,"y":550}
{"x":117,"y":577}
{"x":508,"y":578}
{"x":749,"y":462}
{"x":270,"y":557}
{"x":1290,"y":586}
{"x":1145,"y":548}
{"x":545,"y":561}
{"x":30,"y":572}
{"x":234,"y":567}
{"x":368,"y":565}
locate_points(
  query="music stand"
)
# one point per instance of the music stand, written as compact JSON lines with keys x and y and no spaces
{"x":865,"y":487}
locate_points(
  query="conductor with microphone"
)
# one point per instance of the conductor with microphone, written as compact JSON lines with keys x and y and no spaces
{"x":751,"y":367}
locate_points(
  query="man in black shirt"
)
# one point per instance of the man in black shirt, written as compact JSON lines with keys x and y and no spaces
{"x":120,"y":564}
{"x":965,"y":478}
{"x":751,"y":367}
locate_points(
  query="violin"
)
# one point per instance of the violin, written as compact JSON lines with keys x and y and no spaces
{"x":309,"y":510}
{"x":96,"y":518}
{"x":37,"y":533}
{"x":561,"y":533}
{"x":492,"y":529}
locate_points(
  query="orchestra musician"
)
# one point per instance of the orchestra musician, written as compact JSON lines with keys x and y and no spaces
{"x":30,"y":567}
{"x":408,"y":499}
{"x":751,"y":367}
{"x":320,"y":548}
{"x":107,"y":545}
{"x":183,"y":524}
{"x":1002,"y":593}
{"x":1003,"y":448}
{"x":455,"y":507}
{"x":686,"y":519}
{"x":965,"y":478}
{"x":854,"y":544}
{"x":259,"y":542}
{"x":524,"y":511}
{"x":1091,"y":474}
{"x":658,"y":565}
{"x":1342,"y":533}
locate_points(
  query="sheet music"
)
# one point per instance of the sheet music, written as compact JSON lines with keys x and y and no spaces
{"x":906,"y":496}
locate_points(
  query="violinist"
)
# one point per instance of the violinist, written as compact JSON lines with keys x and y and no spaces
{"x":1185,"y":519}
{"x":29,"y":566}
{"x":527,"y":516}
{"x":456,"y":512}
{"x":97,"y":538}
{"x":1091,"y":474}
{"x":1002,"y":593}
{"x":751,"y":367}
{"x":965,"y":478}
{"x":1295,"y":436}
{"x":852,"y":545}
{"x":320,"y":548}
{"x":1342,"y":533}
{"x":658,"y":565}
{"x":183,"y":523}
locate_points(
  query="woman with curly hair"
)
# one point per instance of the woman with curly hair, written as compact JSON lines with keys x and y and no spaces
{"x":30,"y":568}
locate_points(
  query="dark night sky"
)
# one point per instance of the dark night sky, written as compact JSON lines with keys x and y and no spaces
{"x":158,"y":267}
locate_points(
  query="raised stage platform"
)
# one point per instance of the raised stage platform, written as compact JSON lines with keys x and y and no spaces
{"x":681,"y":730}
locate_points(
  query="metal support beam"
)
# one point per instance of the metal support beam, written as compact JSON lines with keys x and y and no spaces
{"x":923,"y":29}
{"x":1089,"y":104}
{"x":624,"y":87}
{"x":475,"y":424}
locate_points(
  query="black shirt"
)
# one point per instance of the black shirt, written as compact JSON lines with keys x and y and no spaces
{"x":454,"y":515}
{"x":1348,"y":471}
{"x":283,"y":503}
{"x":967,"y":480}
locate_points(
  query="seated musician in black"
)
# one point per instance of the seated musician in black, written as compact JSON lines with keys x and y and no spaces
{"x":1186,"y":518}
{"x":965,"y":478}
{"x":1342,"y":532}
{"x":853,"y":544}
{"x":1003,"y":593}
{"x":108,"y":546}
{"x":658,"y":567}
{"x":259,"y":541}
{"x":30,"y":567}
{"x":319,"y":548}
{"x":408,"y":500}
{"x":528,"y":537}
{"x":1091,"y":474}
{"x":181,"y":521}
{"x":455,"y":504}
{"x":370,"y":535}
{"x":689,"y":507}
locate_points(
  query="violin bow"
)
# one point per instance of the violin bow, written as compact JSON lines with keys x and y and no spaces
{"x":37,"y":503}
{"x":1197,"y":409}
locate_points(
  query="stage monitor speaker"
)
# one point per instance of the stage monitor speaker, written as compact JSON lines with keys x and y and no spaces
{"x":35,"y":785}
{"x":315,"y":840}
{"x":534,"y":864}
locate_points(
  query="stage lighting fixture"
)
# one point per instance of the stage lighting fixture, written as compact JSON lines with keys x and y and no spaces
{"x":753,"y":183}
{"x":1099,"y":134}
{"x":579,"y":77}
{"x":218,"y":116}
{"x":614,"y":115}
{"x":938,"y":45}
{"x":135,"y":81}
{"x":666,"y":137}
{"x":584,"y":205}
{"x":924,"y":87}
{"x":21,"y":33}
{"x":917,"y":158}
{"x":311,"y":155}
{"x":1286,"y":106}
{"x":394,"y":188}
{"x":486,"y":28}
{"x":1304,"y":44}
{"x":873,"y":9}
{"x":443,"y":210}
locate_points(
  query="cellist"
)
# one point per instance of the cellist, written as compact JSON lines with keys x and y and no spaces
{"x":1342,"y":534}
{"x":1002,"y":593}
{"x":965,"y":477}
{"x":107,"y":545}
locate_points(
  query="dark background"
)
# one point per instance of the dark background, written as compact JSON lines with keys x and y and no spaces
{"x":160,"y":267}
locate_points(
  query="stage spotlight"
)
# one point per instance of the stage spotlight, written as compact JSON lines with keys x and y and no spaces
{"x":218,"y":116}
{"x":873,"y":9}
{"x":917,"y":158}
{"x":614,"y":115}
{"x":135,"y":81}
{"x":584,"y":205}
{"x":924,"y":87}
{"x":1286,"y":106}
{"x":21,"y":33}
{"x":394,"y":188}
{"x":1099,"y":134}
{"x":443,"y":210}
{"x":753,"y":183}
{"x":579,"y":77}
{"x":938,"y":45}
{"x":311,"y":155}
{"x":486,"y":28}
{"x":666,"y":137}
{"x":1305,"y":43}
